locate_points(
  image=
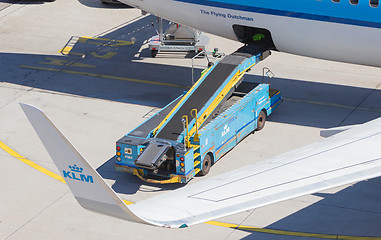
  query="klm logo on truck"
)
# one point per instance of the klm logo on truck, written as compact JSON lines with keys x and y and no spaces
{"x":226,"y":130}
{"x":75,"y":173}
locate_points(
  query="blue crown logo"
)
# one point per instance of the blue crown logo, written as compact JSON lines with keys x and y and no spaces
{"x":74,"y":168}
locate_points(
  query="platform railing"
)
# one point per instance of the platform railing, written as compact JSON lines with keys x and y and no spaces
{"x":211,"y":58}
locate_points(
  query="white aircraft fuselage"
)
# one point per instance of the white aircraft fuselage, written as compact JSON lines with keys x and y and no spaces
{"x":339,"y":31}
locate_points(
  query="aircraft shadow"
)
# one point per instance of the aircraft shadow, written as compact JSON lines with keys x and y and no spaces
{"x":104,"y":68}
{"x":109,"y":67}
{"x":306,"y":103}
{"x":98,"y":4}
{"x":353,"y":211}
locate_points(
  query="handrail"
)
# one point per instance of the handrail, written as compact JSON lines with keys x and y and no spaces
{"x":184,"y":119}
{"x":266,"y":71}
{"x":214,"y":54}
{"x":193,"y":113}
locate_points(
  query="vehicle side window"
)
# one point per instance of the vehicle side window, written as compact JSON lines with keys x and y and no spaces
{"x":373,"y":3}
{"x":354,"y":2}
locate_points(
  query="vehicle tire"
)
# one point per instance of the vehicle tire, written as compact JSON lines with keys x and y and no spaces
{"x":261,"y":121}
{"x":206,"y":164}
{"x":153,"y":53}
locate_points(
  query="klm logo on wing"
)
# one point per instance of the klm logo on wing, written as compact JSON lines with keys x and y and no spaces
{"x":75,"y":173}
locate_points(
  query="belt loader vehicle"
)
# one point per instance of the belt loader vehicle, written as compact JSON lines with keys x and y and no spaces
{"x":195,"y":130}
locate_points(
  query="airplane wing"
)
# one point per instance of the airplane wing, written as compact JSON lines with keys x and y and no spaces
{"x":349,"y":156}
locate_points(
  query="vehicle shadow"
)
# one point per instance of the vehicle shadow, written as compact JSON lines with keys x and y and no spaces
{"x":129,"y":184}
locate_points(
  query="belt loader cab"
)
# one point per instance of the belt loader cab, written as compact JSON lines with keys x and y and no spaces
{"x":168,"y":149}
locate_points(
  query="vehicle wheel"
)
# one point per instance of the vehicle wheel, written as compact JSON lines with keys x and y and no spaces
{"x":153,"y":53}
{"x":206,"y":164}
{"x":261,"y":121}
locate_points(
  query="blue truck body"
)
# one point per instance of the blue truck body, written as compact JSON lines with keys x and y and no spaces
{"x":237,"y":118}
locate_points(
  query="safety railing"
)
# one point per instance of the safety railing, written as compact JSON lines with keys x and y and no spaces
{"x":211,"y":58}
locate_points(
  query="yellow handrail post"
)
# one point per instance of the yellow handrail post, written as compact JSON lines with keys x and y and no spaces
{"x":186,"y":138}
{"x":196,"y":137}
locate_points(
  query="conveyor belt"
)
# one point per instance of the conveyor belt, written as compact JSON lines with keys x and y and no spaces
{"x":173,"y":128}
{"x":144,"y":129}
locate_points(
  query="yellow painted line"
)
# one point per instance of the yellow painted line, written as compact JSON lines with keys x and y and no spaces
{"x":221,"y":224}
{"x":290,"y":233}
{"x":77,"y":54}
{"x":13,"y":153}
{"x":61,"y":62}
{"x":56,"y":61}
{"x":104,"y":76}
{"x":89,"y":40}
{"x":110,"y":42}
{"x":66,"y":50}
{"x":82,"y":65}
{"x":32,"y":164}
{"x":107,"y":55}
{"x":127,"y":202}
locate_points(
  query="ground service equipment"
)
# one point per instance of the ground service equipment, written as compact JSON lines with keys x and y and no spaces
{"x":195,"y":130}
{"x":177,"y":38}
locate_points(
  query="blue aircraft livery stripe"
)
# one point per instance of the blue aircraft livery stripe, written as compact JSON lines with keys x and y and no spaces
{"x":285,"y":13}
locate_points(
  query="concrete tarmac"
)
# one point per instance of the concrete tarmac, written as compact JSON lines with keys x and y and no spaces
{"x":88,"y":67}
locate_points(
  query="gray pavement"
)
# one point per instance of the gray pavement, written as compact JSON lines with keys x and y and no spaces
{"x":100,"y":89}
